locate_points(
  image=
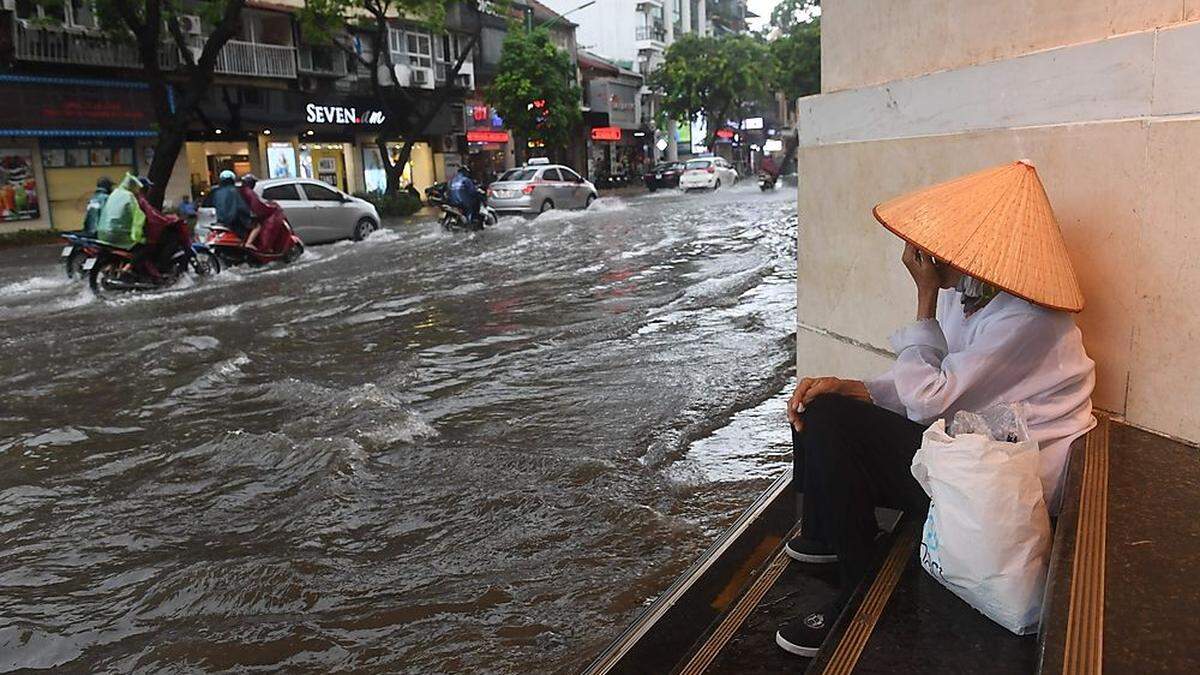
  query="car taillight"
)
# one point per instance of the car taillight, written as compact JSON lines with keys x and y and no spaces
{"x":528,"y":189}
{"x":710,"y":170}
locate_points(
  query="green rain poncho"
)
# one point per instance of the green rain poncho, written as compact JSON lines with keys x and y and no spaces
{"x":121,"y":221}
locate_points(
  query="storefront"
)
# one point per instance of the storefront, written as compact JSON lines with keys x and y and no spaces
{"x":58,"y":136}
{"x":489,"y":145}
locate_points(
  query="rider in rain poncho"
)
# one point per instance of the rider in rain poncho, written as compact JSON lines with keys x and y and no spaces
{"x":91,"y":218}
{"x":121,"y":222}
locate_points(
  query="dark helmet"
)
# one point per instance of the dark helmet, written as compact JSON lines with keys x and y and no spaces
{"x":105,"y":183}
{"x":249,"y":180}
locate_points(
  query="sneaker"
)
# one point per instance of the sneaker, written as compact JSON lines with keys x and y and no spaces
{"x":804,"y":637}
{"x":809,"y":551}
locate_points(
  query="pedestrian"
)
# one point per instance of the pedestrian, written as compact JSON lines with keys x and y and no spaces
{"x":974,"y":343}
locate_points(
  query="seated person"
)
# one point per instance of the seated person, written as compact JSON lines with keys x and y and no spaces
{"x":973,"y":344}
{"x":463,"y":193}
{"x":231,"y":208}
{"x":91,"y":217}
{"x":187,"y":209}
{"x":121,"y":223}
{"x":163,"y":236}
{"x":269,"y":230}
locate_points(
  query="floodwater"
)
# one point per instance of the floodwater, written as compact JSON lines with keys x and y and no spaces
{"x":424,"y":453}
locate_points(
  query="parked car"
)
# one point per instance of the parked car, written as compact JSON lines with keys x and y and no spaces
{"x":317,"y":211}
{"x":707,"y":173}
{"x":538,"y":187}
{"x":665,"y":175}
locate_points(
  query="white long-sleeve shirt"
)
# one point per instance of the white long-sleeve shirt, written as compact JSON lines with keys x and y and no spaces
{"x":1009,"y":351}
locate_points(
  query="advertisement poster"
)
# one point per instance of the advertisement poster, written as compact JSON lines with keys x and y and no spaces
{"x":281,"y":160}
{"x":18,"y":186}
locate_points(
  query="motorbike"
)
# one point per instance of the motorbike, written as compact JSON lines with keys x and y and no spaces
{"x":230,"y":248}
{"x":454,"y":218}
{"x":766,"y":181}
{"x":113,"y":270}
{"x":79,"y":249}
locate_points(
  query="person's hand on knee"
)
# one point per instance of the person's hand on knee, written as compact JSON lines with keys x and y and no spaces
{"x":809,"y":388}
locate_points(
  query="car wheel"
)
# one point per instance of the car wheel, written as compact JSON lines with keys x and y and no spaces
{"x":363,"y":229}
{"x":546,"y":206}
{"x":588,"y":204}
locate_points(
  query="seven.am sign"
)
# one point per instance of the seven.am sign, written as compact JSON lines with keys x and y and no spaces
{"x":340,"y":114}
{"x":606,"y":133}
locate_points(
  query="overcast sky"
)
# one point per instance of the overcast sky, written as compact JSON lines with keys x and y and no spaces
{"x":763,"y":9}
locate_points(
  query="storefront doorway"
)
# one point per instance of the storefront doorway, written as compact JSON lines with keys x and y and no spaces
{"x":325,"y":162}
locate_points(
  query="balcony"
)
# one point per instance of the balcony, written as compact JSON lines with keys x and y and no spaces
{"x":650,"y":39}
{"x":322,"y":61}
{"x":78,"y":47}
{"x":647,"y":6}
{"x":257,"y":60}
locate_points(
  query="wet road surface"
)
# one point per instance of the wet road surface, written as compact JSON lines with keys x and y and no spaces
{"x":421,"y":453}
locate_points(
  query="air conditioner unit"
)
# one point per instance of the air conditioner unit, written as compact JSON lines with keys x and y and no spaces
{"x":422,"y":77}
{"x":402,"y":76}
{"x":189,"y":24}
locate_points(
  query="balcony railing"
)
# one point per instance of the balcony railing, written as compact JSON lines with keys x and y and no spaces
{"x":56,"y":45}
{"x":329,"y":61}
{"x":257,"y":60}
{"x":657,"y":33}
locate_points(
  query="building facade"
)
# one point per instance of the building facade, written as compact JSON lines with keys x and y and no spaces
{"x":278,"y":106}
{"x":1102,"y":97}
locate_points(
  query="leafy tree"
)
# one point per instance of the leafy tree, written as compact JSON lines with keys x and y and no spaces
{"x":796,"y":61}
{"x":717,"y":77}
{"x":534,"y":91}
{"x":408,"y":113}
{"x":152,"y":26}
{"x":790,"y":14}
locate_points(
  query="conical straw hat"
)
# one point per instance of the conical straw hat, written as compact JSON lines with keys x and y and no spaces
{"x":995,"y":225}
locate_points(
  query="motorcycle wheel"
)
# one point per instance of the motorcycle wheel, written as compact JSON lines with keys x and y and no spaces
{"x":102,"y":276}
{"x":74,"y":264}
{"x":294,"y":253}
{"x":448,"y":222}
{"x":206,"y":264}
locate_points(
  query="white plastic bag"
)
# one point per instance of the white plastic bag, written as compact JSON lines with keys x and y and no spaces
{"x":987,"y":537}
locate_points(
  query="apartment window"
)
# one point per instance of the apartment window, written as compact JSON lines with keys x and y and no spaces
{"x":420,"y":49}
{"x":82,"y":15}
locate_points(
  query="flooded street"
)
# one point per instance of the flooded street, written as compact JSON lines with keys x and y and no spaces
{"x":421,"y":453}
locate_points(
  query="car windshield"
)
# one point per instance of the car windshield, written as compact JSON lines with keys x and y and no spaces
{"x":664,"y":167}
{"x":518,"y":174}
{"x":697,"y":164}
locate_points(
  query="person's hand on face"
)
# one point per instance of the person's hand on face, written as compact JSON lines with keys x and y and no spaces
{"x":811,"y":387}
{"x":925,"y":272}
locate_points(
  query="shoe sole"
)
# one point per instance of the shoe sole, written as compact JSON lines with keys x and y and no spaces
{"x":808,"y":557}
{"x":793,"y":648}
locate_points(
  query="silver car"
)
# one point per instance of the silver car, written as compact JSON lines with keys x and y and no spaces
{"x":317,"y":211}
{"x":538,"y":187}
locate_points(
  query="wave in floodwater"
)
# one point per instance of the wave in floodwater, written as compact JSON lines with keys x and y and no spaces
{"x":425,"y":452}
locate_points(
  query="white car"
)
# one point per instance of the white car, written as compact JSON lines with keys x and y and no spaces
{"x":707,"y":173}
{"x":540,"y":186}
{"x":317,"y":211}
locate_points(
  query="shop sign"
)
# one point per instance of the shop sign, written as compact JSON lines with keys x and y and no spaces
{"x":479,"y":136}
{"x":751,"y":123}
{"x":773,"y":145}
{"x":606,"y":133}
{"x":725,"y":133}
{"x":18,"y":186}
{"x":46,"y":106}
{"x":338,"y":114}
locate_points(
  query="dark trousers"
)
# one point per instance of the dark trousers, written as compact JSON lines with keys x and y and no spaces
{"x":854,"y":456}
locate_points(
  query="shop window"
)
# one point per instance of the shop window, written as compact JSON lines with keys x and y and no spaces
{"x":284,"y":192}
{"x":317,"y":193}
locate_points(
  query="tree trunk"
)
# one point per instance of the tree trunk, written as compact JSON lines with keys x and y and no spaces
{"x":520,"y":147}
{"x":166,"y":151}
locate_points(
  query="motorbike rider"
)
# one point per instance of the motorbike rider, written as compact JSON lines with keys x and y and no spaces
{"x":163,"y":232}
{"x":121,"y":222}
{"x":464,"y":194}
{"x":769,"y":167}
{"x":231,"y":208}
{"x":269,"y":216}
{"x":91,"y":218}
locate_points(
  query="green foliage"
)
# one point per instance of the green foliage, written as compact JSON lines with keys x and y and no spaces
{"x":712,"y":76}
{"x":324,"y":21}
{"x":796,"y":61}
{"x":394,"y":205}
{"x":533,"y":69}
{"x":791,"y":14}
